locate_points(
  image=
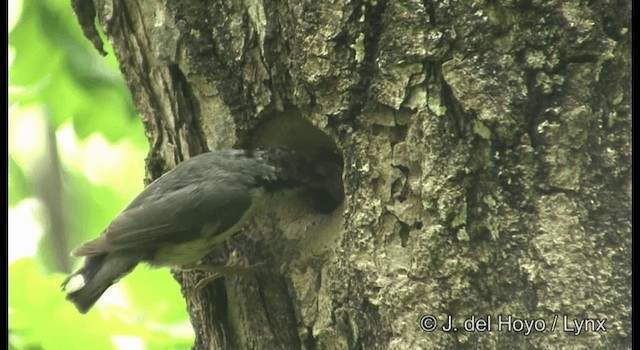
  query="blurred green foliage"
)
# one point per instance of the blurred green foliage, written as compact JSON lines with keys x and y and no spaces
{"x":56,"y":72}
{"x":59,"y":68}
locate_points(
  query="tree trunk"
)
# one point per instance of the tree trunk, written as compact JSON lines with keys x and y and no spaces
{"x":487,"y":165}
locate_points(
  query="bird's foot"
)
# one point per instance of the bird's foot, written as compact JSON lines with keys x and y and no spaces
{"x":223,"y":271}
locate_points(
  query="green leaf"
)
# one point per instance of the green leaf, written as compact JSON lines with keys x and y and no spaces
{"x":58,"y":67}
{"x":19,"y":185}
{"x":40,"y":317}
{"x":166,"y":307}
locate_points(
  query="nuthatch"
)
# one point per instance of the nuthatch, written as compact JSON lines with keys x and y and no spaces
{"x":178,"y":218}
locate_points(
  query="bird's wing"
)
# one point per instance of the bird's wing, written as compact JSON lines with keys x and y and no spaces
{"x":185,"y":214}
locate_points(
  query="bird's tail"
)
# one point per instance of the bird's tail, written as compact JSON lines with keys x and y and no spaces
{"x":85,"y":286}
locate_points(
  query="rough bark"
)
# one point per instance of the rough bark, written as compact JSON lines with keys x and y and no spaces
{"x":486,"y":150}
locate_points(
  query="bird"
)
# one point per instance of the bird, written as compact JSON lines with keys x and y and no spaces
{"x":176,"y":220}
